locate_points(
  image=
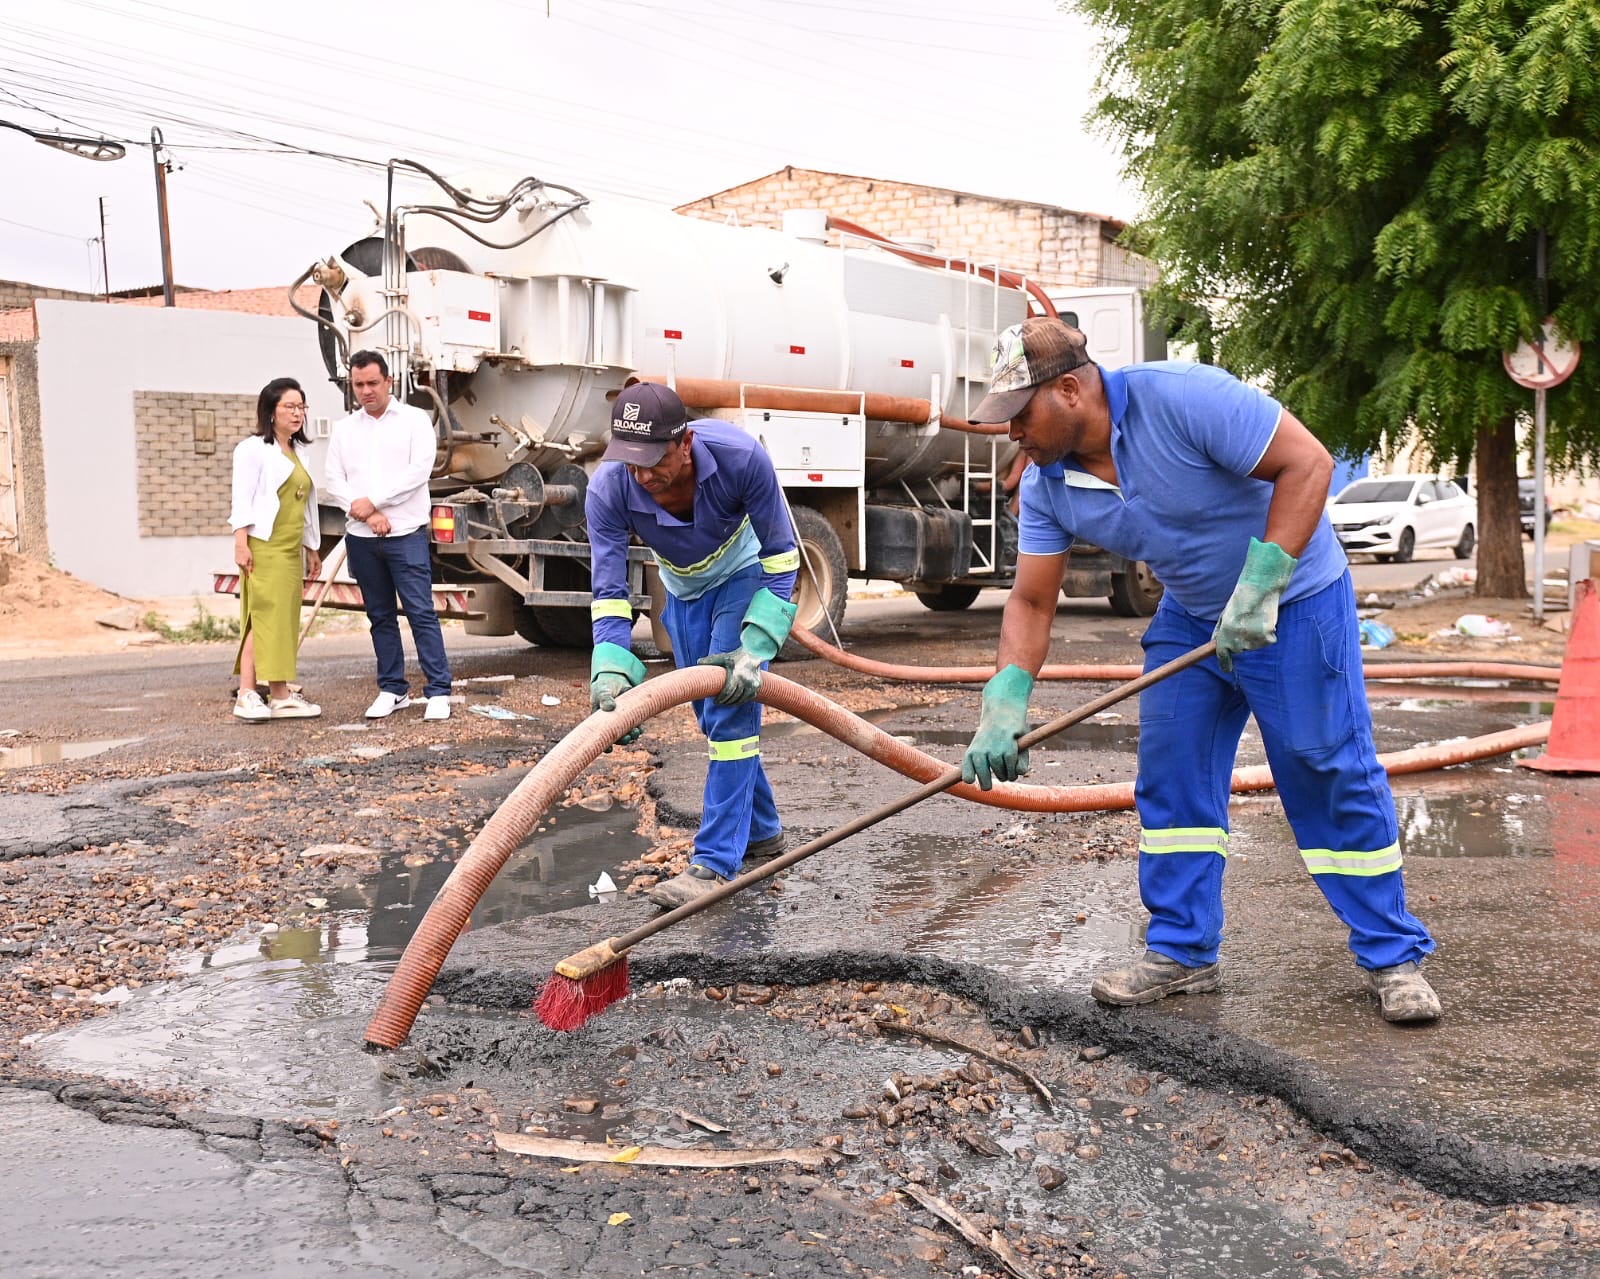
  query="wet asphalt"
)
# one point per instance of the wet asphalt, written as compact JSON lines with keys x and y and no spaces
{"x":1277,"y":1127}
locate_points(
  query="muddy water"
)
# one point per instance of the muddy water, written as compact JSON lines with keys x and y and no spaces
{"x":272,"y":1025}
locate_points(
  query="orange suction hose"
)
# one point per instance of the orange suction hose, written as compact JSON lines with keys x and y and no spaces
{"x":1118,"y":673}
{"x":548,"y":780}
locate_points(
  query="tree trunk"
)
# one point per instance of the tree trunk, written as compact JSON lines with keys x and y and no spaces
{"x":1501,"y":574}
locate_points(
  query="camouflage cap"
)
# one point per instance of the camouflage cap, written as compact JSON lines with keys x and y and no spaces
{"x":1026,"y":356}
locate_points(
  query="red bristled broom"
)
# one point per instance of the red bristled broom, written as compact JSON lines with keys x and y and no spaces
{"x":589,"y":982}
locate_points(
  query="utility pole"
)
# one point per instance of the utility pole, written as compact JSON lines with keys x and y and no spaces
{"x":105,"y":268}
{"x":161,"y":213}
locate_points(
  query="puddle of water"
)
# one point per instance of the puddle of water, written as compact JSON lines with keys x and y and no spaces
{"x":1473,"y":825}
{"x":550,"y":871}
{"x":57,"y":752}
{"x":272,"y":1026}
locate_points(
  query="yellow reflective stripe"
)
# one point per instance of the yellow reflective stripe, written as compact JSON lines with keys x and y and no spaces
{"x":740,"y":748}
{"x":710,"y":559}
{"x":1331,"y":861}
{"x":783,"y":562}
{"x":1185,"y":839}
{"x":610,"y":608}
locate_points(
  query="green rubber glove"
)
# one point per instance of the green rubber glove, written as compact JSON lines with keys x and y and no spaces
{"x":1250,"y":619}
{"x":613,"y":670}
{"x":762,"y":633}
{"x":993,"y":753}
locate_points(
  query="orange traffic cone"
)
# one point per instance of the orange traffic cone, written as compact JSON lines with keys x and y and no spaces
{"x":1575,"y":733}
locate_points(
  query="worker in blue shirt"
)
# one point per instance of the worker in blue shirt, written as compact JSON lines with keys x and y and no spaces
{"x":1221,"y":491}
{"x":704,"y":497}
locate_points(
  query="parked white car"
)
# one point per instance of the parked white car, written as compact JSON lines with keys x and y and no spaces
{"x":1398,"y":515}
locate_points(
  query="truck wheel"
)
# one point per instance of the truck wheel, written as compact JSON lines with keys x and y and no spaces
{"x":527,"y":626}
{"x":560,"y":627}
{"x":1136,"y":592}
{"x":951,"y":597}
{"x":819,"y":588}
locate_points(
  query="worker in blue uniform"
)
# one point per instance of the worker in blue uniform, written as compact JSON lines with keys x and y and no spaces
{"x":1221,"y":491}
{"x":704,"y":497}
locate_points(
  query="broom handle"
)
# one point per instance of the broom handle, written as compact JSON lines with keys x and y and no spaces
{"x":942,"y":782}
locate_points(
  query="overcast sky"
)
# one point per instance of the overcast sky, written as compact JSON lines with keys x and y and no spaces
{"x":668,"y":100}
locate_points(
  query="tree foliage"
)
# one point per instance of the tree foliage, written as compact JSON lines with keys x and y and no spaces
{"x":1351,"y":190}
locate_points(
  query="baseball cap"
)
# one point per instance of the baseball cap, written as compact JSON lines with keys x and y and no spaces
{"x":645,"y":419}
{"x":1026,"y":356}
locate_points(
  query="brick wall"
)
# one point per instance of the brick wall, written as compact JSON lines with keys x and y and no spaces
{"x":1057,"y":247}
{"x":15,"y":293}
{"x":184,"y":444}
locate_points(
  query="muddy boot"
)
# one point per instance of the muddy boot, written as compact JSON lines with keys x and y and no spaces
{"x":1403,"y":992}
{"x":685,"y":886}
{"x":761,"y":850}
{"x":1153,"y":977}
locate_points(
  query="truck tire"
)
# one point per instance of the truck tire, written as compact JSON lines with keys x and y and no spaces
{"x":1136,"y":592}
{"x":555,"y":627}
{"x":821,"y":596}
{"x":951,"y":597}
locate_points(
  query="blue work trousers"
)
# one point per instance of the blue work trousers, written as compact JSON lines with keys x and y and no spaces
{"x":1310,"y":703}
{"x":385,"y":567}
{"x":738,"y":807}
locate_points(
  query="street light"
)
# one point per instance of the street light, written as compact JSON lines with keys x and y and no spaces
{"x":86,"y":148}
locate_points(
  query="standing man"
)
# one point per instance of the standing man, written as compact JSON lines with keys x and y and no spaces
{"x":705,"y":499}
{"x":1221,"y":491}
{"x":377,"y":470}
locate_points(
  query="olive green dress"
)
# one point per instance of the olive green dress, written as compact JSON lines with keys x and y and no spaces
{"x":269,"y":596}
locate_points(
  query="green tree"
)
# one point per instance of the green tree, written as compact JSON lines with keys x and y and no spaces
{"x":1348,"y":193}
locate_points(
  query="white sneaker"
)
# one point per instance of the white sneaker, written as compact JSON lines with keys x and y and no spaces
{"x":386,"y":704}
{"x":249,"y":706}
{"x":293,"y":707}
{"x":438,"y":707}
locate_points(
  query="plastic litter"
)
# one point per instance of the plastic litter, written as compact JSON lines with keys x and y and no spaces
{"x":1376,"y":635}
{"x":1480,"y":626}
{"x":604,"y":888}
{"x":495,"y":712}
{"x":485,"y":679}
{"x":547,"y":700}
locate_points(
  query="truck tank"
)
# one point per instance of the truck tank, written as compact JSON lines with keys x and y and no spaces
{"x":517,"y":310}
{"x":550,"y":328}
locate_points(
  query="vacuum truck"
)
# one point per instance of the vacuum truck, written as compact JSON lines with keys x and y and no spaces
{"x":516,"y":310}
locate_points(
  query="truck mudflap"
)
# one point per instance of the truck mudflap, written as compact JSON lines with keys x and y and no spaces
{"x":448,"y":601}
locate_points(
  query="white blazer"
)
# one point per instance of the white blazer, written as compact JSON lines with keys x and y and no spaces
{"x":259,"y":470}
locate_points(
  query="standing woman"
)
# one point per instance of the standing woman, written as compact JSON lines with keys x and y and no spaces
{"x":275,"y":535}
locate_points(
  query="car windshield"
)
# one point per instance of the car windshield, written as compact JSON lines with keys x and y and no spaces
{"x":1376,"y":491}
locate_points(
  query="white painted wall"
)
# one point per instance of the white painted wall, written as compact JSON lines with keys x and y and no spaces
{"x":92,"y":358}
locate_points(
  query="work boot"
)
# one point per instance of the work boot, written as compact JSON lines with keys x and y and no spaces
{"x":686,"y":886}
{"x":1153,"y":977}
{"x":1403,"y":992}
{"x":760,"y":850}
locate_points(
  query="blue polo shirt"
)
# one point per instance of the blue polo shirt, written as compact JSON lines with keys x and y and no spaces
{"x":739,"y":519}
{"x":1184,"y":439}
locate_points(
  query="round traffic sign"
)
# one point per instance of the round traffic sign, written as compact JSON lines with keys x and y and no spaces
{"x":1540,"y":367}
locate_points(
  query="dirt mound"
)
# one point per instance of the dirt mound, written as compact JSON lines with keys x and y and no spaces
{"x":27,"y":584}
{"x":46,"y":611}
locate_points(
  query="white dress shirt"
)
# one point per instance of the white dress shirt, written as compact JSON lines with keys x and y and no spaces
{"x":387,"y":460}
{"x":259,"y":469}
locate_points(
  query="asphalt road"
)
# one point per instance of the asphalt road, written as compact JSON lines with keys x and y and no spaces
{"x":205,"y":915}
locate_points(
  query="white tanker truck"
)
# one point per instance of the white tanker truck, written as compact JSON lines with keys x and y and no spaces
{"x":515,"y":311}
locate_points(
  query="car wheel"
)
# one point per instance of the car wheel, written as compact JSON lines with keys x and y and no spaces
{"x":1464,"y":547}
{"x":1405,"y":546}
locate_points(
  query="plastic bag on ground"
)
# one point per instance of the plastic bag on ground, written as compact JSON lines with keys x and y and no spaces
{"x":1481,"y":627}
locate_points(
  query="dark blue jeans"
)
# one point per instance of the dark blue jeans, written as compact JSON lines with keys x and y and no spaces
{"x":385,"y":567}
